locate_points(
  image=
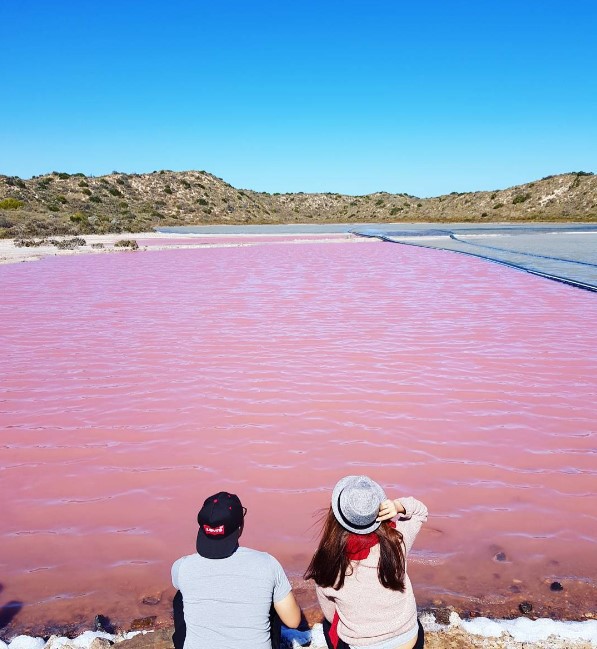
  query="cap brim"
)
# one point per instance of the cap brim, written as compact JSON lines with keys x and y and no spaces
{"x":217,"y":548}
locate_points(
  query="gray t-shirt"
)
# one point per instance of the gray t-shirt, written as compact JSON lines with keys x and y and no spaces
{"x":227,"y":601}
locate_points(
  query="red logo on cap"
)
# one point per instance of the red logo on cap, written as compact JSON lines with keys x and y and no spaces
{"x":214,"y":531}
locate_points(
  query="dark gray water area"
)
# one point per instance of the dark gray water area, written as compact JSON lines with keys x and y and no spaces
{"x":560,"y":251}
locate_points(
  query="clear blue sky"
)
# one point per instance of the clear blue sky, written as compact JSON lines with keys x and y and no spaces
{"x":425,"y":97}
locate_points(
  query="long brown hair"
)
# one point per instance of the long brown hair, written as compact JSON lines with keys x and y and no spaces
{"x":330,"y":563}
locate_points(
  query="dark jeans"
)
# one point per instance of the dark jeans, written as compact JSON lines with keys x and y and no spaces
{"x":180,"y":627}
{"x":342,"y":645}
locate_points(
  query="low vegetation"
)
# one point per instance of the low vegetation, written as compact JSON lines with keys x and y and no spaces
{"x":72,"y":205}
{"x":10,"y":204}
{"x":61,"y":244}
{"x":127,"y":243}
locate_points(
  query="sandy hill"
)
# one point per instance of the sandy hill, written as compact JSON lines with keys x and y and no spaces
{"x":61,"y":203}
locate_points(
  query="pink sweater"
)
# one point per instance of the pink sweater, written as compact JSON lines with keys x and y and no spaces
{"x":368,"y":612}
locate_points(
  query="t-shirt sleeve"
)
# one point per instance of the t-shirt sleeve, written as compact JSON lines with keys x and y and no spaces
{"x":281,"y":584}
{"x":175,"y":568}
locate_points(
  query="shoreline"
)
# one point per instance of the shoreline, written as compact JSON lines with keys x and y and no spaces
{"x":440,"y":631}
{"x":98,"y":244}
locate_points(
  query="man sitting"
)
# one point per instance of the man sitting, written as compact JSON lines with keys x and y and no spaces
{"x":228,"y":590}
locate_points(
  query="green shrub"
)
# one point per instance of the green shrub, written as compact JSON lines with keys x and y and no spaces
{"x":95,"y":199}
{"x":11,"y":204}
{"x":202,"y":201}
{"x":68,"y":244}
{"x":115,"y":192}
{"x":167,"y":189}
{"x":186,"y":184}
{"x":83,"y":183}
{"x":497,"y":206}
{"x":127,"y":243}
{"x":44,"y":182}
{"x":379,"y":202}
{"x":78,"y":217}
{"x":62,"y":175}
{"x":492,"y":197}
{"x":520,"y":198}
{"x":86,"y":191}
{"x":395,"y":210}
{"x":61,"y":199}
{"x":14,"y":181}
{"x":53,"y":208}
{"x":30,"y":243}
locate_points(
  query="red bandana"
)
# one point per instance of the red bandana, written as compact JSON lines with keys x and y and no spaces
{"x":358,"y":547}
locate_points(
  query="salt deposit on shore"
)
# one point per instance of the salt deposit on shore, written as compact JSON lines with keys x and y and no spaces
{"x":477,"y":633}
{"x":105,"y":243}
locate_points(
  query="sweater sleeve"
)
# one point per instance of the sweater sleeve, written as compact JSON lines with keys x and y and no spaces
{"x":328,"y":607}
{"x":411,"y":521}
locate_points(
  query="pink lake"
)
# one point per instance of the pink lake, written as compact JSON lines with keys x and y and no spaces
{"x":136,"y":384}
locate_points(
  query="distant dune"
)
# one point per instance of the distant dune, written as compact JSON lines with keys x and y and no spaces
{"x":74,"y":204}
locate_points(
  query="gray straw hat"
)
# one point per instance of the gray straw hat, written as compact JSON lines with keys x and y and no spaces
{"x":355,"y":503}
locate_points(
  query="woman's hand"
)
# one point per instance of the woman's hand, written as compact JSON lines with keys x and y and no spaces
{"x":390,"y":508}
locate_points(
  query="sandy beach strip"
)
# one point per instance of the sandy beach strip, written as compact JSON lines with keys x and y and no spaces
{"x":105,"y":243}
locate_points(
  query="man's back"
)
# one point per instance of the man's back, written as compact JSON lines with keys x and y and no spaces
{"x":227,"y":601}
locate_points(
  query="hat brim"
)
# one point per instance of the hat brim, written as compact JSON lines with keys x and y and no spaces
{"x":338,"y":489}
{"x":220,"y":548}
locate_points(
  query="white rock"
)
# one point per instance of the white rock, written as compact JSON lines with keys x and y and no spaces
{"x":525,"y":630}
{"x":85,"y":639}
{"x":482,"y":626}
{"x":129,"y":634}
{"x":58,"y":642}
{"x":454,"y":619}
{"x":26,"y":642}
{"x":430,"y":623}
{"x":3,"y":645}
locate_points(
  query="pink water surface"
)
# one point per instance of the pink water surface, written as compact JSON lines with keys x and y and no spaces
{"x":237,"y":239}
{"x":134,"y":385}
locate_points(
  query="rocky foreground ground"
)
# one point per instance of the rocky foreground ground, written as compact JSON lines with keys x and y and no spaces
{"x":456,"y":634}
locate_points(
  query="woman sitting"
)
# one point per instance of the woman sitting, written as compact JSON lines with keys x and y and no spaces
{"x":359,"y":568}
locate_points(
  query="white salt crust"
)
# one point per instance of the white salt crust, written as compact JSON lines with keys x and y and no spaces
{"x":520,"y":629}
{"x":82,"y":641}
{"x":524,"y":630}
